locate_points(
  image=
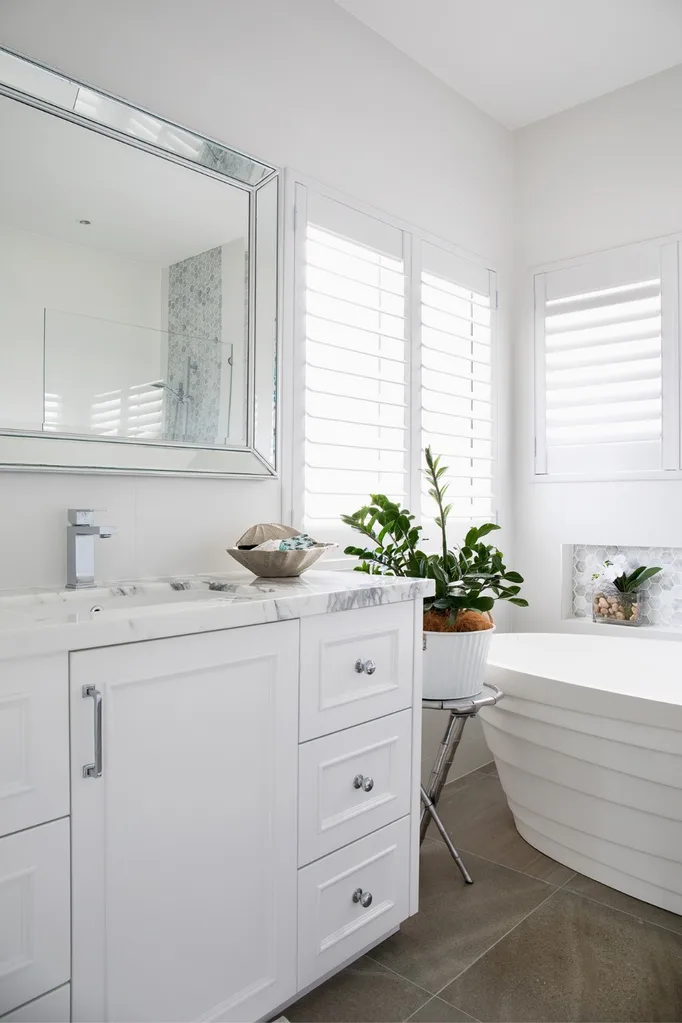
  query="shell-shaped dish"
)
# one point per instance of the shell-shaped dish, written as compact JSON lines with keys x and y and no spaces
{"x":278,"y":564}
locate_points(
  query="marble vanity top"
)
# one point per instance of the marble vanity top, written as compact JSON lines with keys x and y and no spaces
{"x":46,"y":621}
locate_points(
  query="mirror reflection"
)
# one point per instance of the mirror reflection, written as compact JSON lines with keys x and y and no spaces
{"x":124,"y":291}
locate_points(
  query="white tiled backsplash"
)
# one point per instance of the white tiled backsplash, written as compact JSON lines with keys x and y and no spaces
{"x":661,"y":600}
{"x":164,"y":527}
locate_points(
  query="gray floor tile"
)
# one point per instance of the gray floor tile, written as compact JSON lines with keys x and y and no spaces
{"x":577,"y":960}
{"x":364,"y":992}
{"x":457,"y":922}
{"x":466,"y":779}
{"x":610,"y":897}
{"x":490,"y":768}
{"x":480,"y":821}
{"x":438,"y":1011}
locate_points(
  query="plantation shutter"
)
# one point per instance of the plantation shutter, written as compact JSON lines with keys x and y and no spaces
{"x":356,"y":363}
{"x":601,"y":347}
{"x":457,"y":401}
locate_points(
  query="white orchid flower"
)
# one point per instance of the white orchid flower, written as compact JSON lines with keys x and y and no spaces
{"x":614,"y":567}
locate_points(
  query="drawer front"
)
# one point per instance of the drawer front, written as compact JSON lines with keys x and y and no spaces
{"x":334,"y":693}
{"x":353,"y":782}
{"x":34,"y":742}
{"x":331,"y":926}
{"x":35,"y":924}
{"x":52,"y":1008}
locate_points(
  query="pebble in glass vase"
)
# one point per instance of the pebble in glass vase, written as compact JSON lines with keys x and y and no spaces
{"x":610,"y":605}
{"x":616,"y":592}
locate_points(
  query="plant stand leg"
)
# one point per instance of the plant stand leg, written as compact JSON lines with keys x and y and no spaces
{"x":429,"y":806}
{"x":439,"y":774}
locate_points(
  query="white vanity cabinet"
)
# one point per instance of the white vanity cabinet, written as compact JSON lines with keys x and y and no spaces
{"x":244,"y":806}
{"x":184,"y":850}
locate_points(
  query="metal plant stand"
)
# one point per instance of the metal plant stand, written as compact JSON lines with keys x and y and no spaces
{"x":460,"y":712}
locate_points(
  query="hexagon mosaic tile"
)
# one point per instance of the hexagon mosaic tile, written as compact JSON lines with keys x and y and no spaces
{"x":661,"y":598}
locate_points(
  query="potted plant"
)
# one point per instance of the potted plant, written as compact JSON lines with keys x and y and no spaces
{"x":616,"y":594}
{"x":469,"y":579}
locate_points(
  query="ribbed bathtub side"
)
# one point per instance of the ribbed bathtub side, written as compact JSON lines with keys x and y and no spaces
{"x":601,"y":795}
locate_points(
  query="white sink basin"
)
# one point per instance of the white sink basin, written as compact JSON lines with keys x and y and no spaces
{"x":59,"y":606}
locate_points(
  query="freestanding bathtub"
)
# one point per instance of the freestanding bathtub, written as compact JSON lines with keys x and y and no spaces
{"x":588,"y":745}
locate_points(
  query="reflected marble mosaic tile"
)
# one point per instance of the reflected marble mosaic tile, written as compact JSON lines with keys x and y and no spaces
{"x":661,"y":598}
{"x":195,"y":349}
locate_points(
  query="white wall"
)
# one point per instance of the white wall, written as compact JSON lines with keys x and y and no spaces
{"x":603,"y":174}
{"x":39,"y":273}
{"x":299,"y":83}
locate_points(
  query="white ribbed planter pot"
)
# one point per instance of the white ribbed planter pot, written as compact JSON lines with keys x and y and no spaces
{"x":454,"y":663}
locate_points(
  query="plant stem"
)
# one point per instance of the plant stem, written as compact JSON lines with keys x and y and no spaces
{"x":439,"y":500}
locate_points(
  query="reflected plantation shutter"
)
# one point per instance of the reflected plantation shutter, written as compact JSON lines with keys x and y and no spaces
{"x":605,"y":359}
{"x":356,"y":363}
{"x":456,"y":380}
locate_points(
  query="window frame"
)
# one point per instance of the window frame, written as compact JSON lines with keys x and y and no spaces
{"x":296,"y":188}
{"x":671,"y":344}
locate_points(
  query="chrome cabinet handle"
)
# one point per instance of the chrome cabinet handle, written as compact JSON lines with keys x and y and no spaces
{"x":364,"y":898}
{"x":95,"y":770}
{"x":369,"y":667}
{"x":360,"y":781}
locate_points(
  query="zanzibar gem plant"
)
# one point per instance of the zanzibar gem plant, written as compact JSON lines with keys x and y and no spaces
{"x":469,"y":578}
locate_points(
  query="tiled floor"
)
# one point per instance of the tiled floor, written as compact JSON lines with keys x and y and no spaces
{"x":529,"y":941}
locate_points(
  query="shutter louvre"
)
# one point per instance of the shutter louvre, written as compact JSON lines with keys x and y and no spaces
{"x":457,"y":407}
{"x":356,"y":371}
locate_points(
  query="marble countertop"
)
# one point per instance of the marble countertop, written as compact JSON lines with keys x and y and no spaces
{"x":48,"y":621}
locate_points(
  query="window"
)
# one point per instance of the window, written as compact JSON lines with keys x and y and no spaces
{"x":456,"y":379}
{"x":604,"y":347}
{"x":395,"y":351}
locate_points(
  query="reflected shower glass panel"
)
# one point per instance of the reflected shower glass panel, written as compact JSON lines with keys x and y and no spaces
{"x":118,"y":380}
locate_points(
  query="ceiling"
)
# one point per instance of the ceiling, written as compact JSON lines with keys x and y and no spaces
{"x":522,"y":60}
{"x":141,"y":208}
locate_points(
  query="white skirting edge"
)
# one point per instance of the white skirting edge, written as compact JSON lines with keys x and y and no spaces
{"x":598,"y":871}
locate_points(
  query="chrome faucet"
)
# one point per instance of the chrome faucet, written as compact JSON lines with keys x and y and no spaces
{"x":80,"y":547}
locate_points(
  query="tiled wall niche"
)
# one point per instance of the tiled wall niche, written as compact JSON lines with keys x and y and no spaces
{"x":661,"y":602}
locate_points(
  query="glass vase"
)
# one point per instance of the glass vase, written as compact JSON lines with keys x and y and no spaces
{"x":616,"y":608}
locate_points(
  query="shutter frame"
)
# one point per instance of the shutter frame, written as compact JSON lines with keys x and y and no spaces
{"x":632,"y":354}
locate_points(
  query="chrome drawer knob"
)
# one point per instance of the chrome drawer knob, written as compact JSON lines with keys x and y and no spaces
{"x":364,"y":898}
{"x":369,"y":667}
{"x":362,"y":782}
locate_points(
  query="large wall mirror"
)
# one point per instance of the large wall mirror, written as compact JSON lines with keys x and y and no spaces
{"x":138,"y":288}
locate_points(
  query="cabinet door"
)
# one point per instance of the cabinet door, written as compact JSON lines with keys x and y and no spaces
{"x":34,"y":913}
{"x":184,"y":849}
{"x":355,"y":666}
{"x":54,"y":1007}
{"x":353,"y":782}
{"x":34,"y":741}
{"x":334,"y":922}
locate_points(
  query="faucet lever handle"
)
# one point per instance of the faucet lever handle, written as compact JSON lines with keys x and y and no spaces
{"x":83,"y":516}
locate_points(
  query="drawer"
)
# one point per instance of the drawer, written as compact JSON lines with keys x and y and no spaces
{"x":355,"y":666}
{"x":34,"y":741}
{"x":35,"y":951}
{"x":353,"y":782}
{"x":52,"y":1008}
{"x":331,"y":926}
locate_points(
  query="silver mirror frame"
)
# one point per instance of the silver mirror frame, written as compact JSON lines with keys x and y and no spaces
{"x":32,"y":451}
